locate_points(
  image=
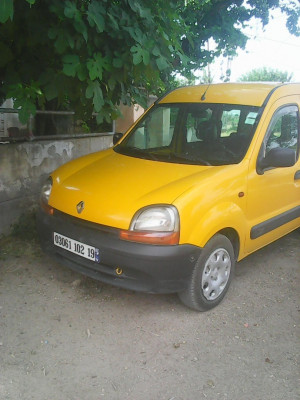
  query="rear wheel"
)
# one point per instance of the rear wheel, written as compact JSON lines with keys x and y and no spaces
{"x":211,"y":276}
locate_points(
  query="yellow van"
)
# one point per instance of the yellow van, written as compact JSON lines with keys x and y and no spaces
{"x":206,"y":176}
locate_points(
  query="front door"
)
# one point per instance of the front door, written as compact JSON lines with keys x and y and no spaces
{"x":273,"y":198}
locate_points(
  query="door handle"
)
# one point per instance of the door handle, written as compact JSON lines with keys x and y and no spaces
{"x":297,"y":175}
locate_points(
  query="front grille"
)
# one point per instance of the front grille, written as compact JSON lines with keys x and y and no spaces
{"x":78,"y":222}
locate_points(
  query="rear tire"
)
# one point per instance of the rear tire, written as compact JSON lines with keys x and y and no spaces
{"x":211,"y":276}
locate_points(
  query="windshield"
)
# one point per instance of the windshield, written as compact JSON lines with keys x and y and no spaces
{"x":204,"y":134}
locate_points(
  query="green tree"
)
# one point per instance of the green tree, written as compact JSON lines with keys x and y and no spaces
{"x":266,"y":75}
{"x":91,"y":55}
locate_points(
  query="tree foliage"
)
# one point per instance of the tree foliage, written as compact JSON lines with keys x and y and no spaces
{"x":91,"y":55}
{"x":266,"y":75}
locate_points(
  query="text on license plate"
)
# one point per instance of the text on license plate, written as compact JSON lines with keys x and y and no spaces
{"x":79,"y":248}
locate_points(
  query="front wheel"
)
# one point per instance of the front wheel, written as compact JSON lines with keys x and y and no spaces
{"x":211,"y":276}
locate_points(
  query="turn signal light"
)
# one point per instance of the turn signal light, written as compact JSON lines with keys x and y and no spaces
{"x":160,"y":238}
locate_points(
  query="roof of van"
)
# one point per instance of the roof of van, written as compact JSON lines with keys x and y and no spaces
{"x":229,"y":93}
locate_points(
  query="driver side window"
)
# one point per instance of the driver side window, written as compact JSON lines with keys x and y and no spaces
{"x":283,"y":131}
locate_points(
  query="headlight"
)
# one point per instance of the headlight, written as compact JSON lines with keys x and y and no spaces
{"x":161,"y":219}
{"x":46,"y":190}
{"x":154,"y":225}
{"x":45,"y":194}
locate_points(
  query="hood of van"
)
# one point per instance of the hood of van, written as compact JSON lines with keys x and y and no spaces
{"x":114,"y":186}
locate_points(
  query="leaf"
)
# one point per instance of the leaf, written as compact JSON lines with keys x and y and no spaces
{"x":80,"y":27}
{"x":71,"y":41}
{"x":145,"y":13}
{"x":52,"y":33}
{"x":6,"y":10}
{"x":137,"y":54}
{"x":95,"y":70}
{"x":82,"y":73}
{"x":137,"y":58}
{"x":140,"y":55}
{"x":141,"y":99}
{"x":28,"y":108}
{"x":156,"y":51}
{"x":162,"y":63}
{"x":111,"y":83}
{"x":89,"y":91}
{"x":133,"y":5}
{"x":96,"y":66}
{"x":61,"y":43}
{"x":98,"y":99}
{"x":99,"y":119}
{"x":142,"y":11}
{"x":50,"y":91}
{"x":71,"y":64}
{"x":95,"y":15}
{"x":94,"y":91}
{"x":117,"y":62}
{"x":131,"y":31}
{"x":113,"y":21}
{"x":146,"y":57}
{"x":184,"y":59}
{"x":70,"y":9}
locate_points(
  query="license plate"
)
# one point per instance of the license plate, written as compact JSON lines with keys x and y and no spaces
{"x":79,"y":248}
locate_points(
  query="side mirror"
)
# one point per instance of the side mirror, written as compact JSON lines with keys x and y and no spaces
{"x":277,"y":158}
{"x":117,"y":137}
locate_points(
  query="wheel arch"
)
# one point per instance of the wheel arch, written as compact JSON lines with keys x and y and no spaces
{"x":234,"y":238}
{"x":227,"y":218}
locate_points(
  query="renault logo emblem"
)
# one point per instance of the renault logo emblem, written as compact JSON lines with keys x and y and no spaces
{"x":80,"y":207}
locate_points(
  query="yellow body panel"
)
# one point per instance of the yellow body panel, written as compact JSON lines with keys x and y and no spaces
{"x":115,"y":186}
{"x":230,"y":93}
{"x":276,"y":191}
{"x":209,"y":199}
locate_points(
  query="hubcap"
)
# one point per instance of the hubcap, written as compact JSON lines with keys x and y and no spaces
{"x":216,"y":274}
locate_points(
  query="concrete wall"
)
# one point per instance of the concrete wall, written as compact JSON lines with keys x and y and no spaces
{"x":129,"y":116}
{"x":24,"y":166}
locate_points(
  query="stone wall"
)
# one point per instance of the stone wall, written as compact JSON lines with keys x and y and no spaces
{"x":25,"y":165}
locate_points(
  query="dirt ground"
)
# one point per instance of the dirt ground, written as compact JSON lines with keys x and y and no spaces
{"x":67,"y":337}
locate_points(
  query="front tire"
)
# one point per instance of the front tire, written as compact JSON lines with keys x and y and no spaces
{"x":211,"y":276}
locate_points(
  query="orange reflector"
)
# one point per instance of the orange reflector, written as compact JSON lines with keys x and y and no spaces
{"x":162,"y":238}
{"x":49,"y":210}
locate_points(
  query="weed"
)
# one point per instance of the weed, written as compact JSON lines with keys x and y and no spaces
{"x":25,"y":227}
{"x":23,"y":239}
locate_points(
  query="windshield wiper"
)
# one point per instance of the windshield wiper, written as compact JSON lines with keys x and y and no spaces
{"x":139,"y":152}
{"x":185,"y":157}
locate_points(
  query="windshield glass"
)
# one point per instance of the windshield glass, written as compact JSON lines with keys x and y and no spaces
{"x":204,"y":134}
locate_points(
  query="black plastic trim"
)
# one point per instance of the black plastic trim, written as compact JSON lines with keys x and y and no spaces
{"x":270,"y":94}
{"x":145,"y":267}
{"x":275,"y":222}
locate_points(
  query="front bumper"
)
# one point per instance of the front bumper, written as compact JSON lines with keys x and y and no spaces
{"x":146,"y":268}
